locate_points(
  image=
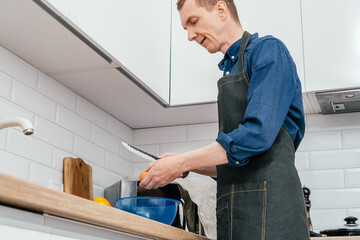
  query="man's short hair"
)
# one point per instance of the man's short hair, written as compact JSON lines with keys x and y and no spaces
{"x":209,"y":4}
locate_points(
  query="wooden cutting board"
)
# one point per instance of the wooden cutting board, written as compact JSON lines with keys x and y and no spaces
{"x":78,"y":178}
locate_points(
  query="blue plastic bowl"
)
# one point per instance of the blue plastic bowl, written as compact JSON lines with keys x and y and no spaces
{"x":156,"y":208}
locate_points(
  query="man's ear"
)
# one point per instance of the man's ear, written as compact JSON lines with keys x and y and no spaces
{"x":221,"y":9}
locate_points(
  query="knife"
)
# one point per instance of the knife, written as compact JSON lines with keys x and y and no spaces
{"x":140,"y":152}
{"x":145,"y":155}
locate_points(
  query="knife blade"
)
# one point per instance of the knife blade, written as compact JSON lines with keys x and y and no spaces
{"x":145,"y":155}
{"x":140,"y":152}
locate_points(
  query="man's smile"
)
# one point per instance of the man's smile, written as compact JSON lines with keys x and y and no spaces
{"x":202,"y":42}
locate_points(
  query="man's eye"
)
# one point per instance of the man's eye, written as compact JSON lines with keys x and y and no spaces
{"x":194,"y":22}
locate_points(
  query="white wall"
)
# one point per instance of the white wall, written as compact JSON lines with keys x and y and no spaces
{"x":328,"y":160}
{"x":65,"y":125}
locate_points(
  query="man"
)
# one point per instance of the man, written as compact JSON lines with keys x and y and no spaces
{"x":261,"y":123}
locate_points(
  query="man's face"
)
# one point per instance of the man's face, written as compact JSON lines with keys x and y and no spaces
{"x":202,"y":26}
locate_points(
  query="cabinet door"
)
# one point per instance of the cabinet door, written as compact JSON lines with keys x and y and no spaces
{"x":14,"y":233}
{"x":279,"y":18}
{"x":194,"y":71}
{"x":331,"y":43}
{"x":136,"y":33}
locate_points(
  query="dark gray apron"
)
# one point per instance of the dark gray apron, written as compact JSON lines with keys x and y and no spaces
{"x":263,"y":199}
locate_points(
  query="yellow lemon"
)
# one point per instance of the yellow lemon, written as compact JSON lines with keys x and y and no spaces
{"x":102,"y":200}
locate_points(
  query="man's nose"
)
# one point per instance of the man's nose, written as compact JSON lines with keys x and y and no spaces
{"x":191,"y":35}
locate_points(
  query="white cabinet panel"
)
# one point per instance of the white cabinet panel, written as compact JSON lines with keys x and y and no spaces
{"x":14,"y":233}
{"x":136,"y":33}
{"x":194,"y":71}
{"x":331,"y":43}
{"x":279,"y":18}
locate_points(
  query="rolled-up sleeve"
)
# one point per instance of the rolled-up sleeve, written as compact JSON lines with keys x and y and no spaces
{"x":271,"y":91}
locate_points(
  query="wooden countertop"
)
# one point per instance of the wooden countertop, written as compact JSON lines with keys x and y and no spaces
{"x":26,"y":195}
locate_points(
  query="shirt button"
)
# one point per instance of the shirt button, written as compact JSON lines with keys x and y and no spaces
{"x":232,"y":57}
{"x":227,"y":73}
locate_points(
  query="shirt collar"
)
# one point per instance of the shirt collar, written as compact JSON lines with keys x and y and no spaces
{"x":233,"y":52}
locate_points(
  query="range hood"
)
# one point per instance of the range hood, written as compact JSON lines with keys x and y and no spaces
{"x":339,"y":101}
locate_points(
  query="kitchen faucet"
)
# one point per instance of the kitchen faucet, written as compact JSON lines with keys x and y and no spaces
{"x":25,"y":124}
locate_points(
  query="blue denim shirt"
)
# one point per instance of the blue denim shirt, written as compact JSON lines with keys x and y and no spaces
{"x":274,"y":99}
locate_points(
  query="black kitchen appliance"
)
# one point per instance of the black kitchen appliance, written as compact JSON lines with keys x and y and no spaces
{"x":351,"y":228}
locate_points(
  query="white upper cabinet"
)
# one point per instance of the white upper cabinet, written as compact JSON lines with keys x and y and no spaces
{"x":135,"y":33}
{"x":279,"y":18}
{"x":194,"y":71}
{"x":331,"y":44}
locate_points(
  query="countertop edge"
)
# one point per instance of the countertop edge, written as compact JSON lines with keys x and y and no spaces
{"x":20,"y":193}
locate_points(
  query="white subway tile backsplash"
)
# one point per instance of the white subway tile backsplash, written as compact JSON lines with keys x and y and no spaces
{"x":327,"y":218}
{"x":301,"y":161}
{"x":126,"y":154}
{"x":18,"y":68}
{"x":91,"y":112}
{"x":5,"y":85}
{"x":58,"y":158}
{"x":321,"y":123}
{"x":3,"y":137}
{"x":103,"y":177}
{"x":320,"y":141}
{"x":73,"y":122}
{"x":351,"y":138}
{"x":45,"y":176}
{"x":138,"y":168}
{"x":355,"y":212}
{"x":55,"y":185}
{"x":89,"y":151}
{"x":53,"y":134}
{"x":98,"y":191}
{"x":56,"y":91}
{"x":14,"y":165}
{"x":34,"y":101}
{"x":200,"y":132}
{"x":159,"y":135}
{"x":9,"y":109}
{"x":105,"y":139}
{"x":119,"y":129}
{"x":118,"y":165}
{"x":323,"y":179}
{"x":335,"y":198}
{"x":29,"y":147}
{"x":183,"y":147}
{"x":335,"y":159}
{"x":352,"y":177}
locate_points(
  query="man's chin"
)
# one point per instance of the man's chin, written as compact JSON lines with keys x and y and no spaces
{"x":211,"y":50}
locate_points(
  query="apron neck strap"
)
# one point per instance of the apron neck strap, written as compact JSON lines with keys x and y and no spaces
{"x":244,"y":42}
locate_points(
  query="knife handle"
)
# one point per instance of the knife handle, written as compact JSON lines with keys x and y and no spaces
{"x":185,"y":174}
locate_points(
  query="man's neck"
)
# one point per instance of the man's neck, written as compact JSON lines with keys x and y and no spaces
{"x":233,"y":33}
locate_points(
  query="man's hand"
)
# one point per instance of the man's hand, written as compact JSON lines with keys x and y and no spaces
{"x":163,"y":171}
{"x":171,"y":166}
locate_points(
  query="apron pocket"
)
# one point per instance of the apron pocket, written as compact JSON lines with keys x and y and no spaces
{"x":223,"y":219}
{"x":248,"y":211}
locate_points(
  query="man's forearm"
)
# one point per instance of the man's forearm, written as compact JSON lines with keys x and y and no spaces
{"x":207,"y":171}
{"x":205,"y":158}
